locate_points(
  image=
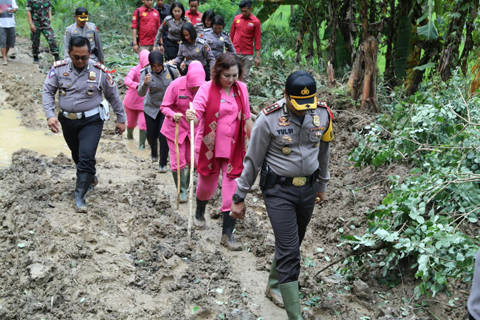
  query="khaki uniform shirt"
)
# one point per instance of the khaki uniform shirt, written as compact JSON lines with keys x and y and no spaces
{"x":219,"y":43}
{"x":90,"y":32}
{"x":199,"y":51}
{"x":80,"y":91}
{"x":174,"y":29}
{"x":290,"y":148}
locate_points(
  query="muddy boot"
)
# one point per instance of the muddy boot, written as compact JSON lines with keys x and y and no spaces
{"x":93,"y":184}
{"x":215,"y":214}
{"x":291,"y":300}
{"x":129,"y":133}
{"x":184,"y":177}
{"x":199,"y":221}
{"x":227,"y":233}
{"x":142,"y":139}
{"x":273,"y":291}
{"x":84,"y":180}
{"x":35,"y":59}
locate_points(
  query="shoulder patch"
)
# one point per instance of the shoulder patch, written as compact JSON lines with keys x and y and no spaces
{"x":59,"y":63}
{"x":323,"y":104}
{"x":226,"y":33}
{"x":200,"y":40}
{"x":270,"y":109}
{"x":102,"y":67}
{"x":168,"y":18}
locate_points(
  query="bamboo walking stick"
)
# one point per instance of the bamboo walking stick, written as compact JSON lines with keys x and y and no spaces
{"x":177,"y":127}
{"x":192,"y":165}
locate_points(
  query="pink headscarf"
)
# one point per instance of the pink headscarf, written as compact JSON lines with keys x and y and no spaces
{"x":195,"y":75}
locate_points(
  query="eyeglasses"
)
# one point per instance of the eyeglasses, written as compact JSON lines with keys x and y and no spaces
{"x":83,"y":58}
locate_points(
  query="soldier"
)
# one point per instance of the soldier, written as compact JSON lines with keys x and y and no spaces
{"x":39,"y":15}
{"x":173,"y":25}
{"x":218,"y":40}
{"x":193,"y":48}
{"x":290,"y":141}
{"x":80,"y":82}
{"x":85,"y":29}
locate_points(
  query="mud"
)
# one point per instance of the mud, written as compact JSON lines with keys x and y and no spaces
{"x":129,"y":258}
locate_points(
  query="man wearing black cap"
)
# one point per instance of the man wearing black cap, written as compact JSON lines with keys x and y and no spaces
{"x":85,"y":29}
{"x":290,"y":143}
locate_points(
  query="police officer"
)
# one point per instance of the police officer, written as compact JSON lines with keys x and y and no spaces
{"x":85,"y":29}
{"x":290,"y":143}
{"x":80,"y":82}
{"x":39,"y":15}
{"x":218,"y":40}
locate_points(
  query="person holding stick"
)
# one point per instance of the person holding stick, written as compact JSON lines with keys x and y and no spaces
{"x":175,"y":103}
{"x":222,"y":104}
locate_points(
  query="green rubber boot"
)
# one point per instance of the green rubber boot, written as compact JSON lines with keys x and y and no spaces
{"x":273,"y":291}
{"x":184,"y":178}
{"x":142,"y":139}
{"x":291,"y":300}
{"x":129,"y":133}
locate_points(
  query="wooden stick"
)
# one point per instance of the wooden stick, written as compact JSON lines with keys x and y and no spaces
{"x":192,"y":166}
{"x":177,"y":128}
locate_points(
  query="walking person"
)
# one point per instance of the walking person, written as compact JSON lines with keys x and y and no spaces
{"x":218,"y":40}
{"x":80,"y":83}
{"x":133,"y":102}
{"x":163,"y":10}
{"x":246,"y":30}
{"x":207,"y":19}
{"x":145,"y":22}
{"x":175,"y":104}
{"x":222,"y":108}
{"x":290,"y":143}
{"x":86,"y":29}
{"x":172,"y":24}
{"x":39,"y":15}
{"x":7,"y":27}
{"x":194,"y":15}
{"x":153,"y":84}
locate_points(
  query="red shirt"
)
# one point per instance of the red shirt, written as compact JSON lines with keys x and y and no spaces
{"x":194,"y":18}
{"x":243,"y":32}
{"x":147,"y":22}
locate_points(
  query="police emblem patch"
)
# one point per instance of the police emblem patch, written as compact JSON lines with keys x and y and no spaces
{"x":92,"y":75}
{"x":51,"y":73}
{"x":221,"y":39}
{"x":110,"y":79}
{"x":316,"y":120}
{"x":197,"y":50}
{"x":168,"y":77}
{"x":283,"y":121}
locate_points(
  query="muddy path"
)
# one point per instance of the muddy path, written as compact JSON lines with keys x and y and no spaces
{"x":128,"y":258}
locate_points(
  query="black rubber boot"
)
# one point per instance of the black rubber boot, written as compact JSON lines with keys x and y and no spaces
{"x":227,"y":233}
{"x":84,"y":180}
{"x":199,"y":221}
{"x":93,"y":184}
{"x":36,"y":60}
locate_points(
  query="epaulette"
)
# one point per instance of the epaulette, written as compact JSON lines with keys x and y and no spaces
{"x":270,"y":109}
{"x":101,"y":66}
{"x":202,"y":41}
{"x":168,"y":18}
{"x":59,"y":63}
{"x":171,"y":66}
{"x":226,"y":33}
{"x":186,"y":19}
{"x":144,"y":69}
{"x":208,"y":30}
{"x":323,"y":104}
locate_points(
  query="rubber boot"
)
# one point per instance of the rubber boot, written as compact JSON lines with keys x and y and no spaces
{"x":93,"y":184}
{"x":291,"y":300}
{"x":129,"y":133}
{"x":199,"y":220}
{"x":84,"y":180}
{"x":35,"y":59}
{"x":273,"y":291}
{"x":142,"y":139}
{"x":215,"y":214}
{"x":227,"y":233}
{"x":57,"y":57}
{"x":184,"y":177}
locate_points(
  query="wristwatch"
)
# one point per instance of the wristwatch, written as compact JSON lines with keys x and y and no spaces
{"x":237,"y":199}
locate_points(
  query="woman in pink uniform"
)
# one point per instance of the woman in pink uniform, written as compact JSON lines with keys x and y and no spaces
{"x":133,"y":103}
{"x":222,"y":105}
{"x":175,"y":103}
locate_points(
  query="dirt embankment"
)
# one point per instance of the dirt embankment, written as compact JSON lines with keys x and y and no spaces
{"x":128,"y":257}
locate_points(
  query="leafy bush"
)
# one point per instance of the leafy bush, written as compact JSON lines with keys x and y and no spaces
{"x":424,"y":218}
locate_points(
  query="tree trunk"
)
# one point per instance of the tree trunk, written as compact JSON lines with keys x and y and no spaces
{"x":391,"y":40}
{"x":469,"y":37}
{"x":333,"y":5}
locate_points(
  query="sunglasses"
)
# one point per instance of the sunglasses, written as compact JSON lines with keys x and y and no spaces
{"x":83,"y":58}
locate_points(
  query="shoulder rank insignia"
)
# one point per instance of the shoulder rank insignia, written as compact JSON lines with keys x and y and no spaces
{"x":323,"y":105}
{"x":270,"y":109}
{"x":101,"y":66}
{"x":59,"y":63}
{"x":202,"y":41}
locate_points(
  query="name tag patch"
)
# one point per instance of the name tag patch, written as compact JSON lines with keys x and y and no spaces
{"x":182,"y":97}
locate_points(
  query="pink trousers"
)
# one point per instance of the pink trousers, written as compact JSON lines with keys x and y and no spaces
{"x":183,"y":149}
{"x":208,"y":184}
{"x":134,"y":117}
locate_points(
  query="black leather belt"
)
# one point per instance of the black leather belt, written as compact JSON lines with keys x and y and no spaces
{"x":296,"y":181}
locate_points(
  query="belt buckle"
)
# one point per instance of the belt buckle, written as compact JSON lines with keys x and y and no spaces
{"x":299,"y":181}
{"x":72,"y":116}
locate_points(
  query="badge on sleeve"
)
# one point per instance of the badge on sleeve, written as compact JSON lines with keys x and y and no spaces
{"x":51,"y":73}
{"x":283,"y":121}
{"x":92,"y":75}
{"x":316,"y":120}
{"x":110,"y":79}
{"x":168,"y":77}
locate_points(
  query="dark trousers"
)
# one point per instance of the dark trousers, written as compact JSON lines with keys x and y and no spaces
{"x":290,"y":210}
{"x":170,"y":49}
{"x":153,"y":134}
{"x":82,"y":137}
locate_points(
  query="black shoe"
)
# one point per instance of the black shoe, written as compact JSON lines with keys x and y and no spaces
{"x":84,"y":180}
{"x":227,"y":233}
{"x":36,"y":60}
{"x":199,"y":220}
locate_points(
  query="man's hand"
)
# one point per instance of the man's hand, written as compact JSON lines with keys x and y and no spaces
{"x":177,"y":116}
{"x":32,"y":28}
{"x":120,"y":128}
{"x":257,"y":62}
{"x":320,"y":197}
{"x":237,"y":210}
{"x":135,"y":48}
{"x":53,"y":124}
{"x":148,"y":78}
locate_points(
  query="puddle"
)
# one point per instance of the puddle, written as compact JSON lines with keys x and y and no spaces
{"x":13,"y":137}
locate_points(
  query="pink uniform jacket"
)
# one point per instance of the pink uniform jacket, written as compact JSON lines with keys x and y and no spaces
{"x":132,"y":100}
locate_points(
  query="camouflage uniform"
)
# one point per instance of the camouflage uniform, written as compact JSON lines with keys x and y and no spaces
{"x":39,"y":10}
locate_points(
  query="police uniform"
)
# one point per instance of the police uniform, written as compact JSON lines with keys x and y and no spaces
{"x":90,"y":31}
{"x":154,"y":92}
{"x":219,"y":43}
{"x":39,"y":10}
{"x":293,"y":154}
{"x":79,"y":98}
{"x":174,"y":35}
{"x":200,"y":51}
